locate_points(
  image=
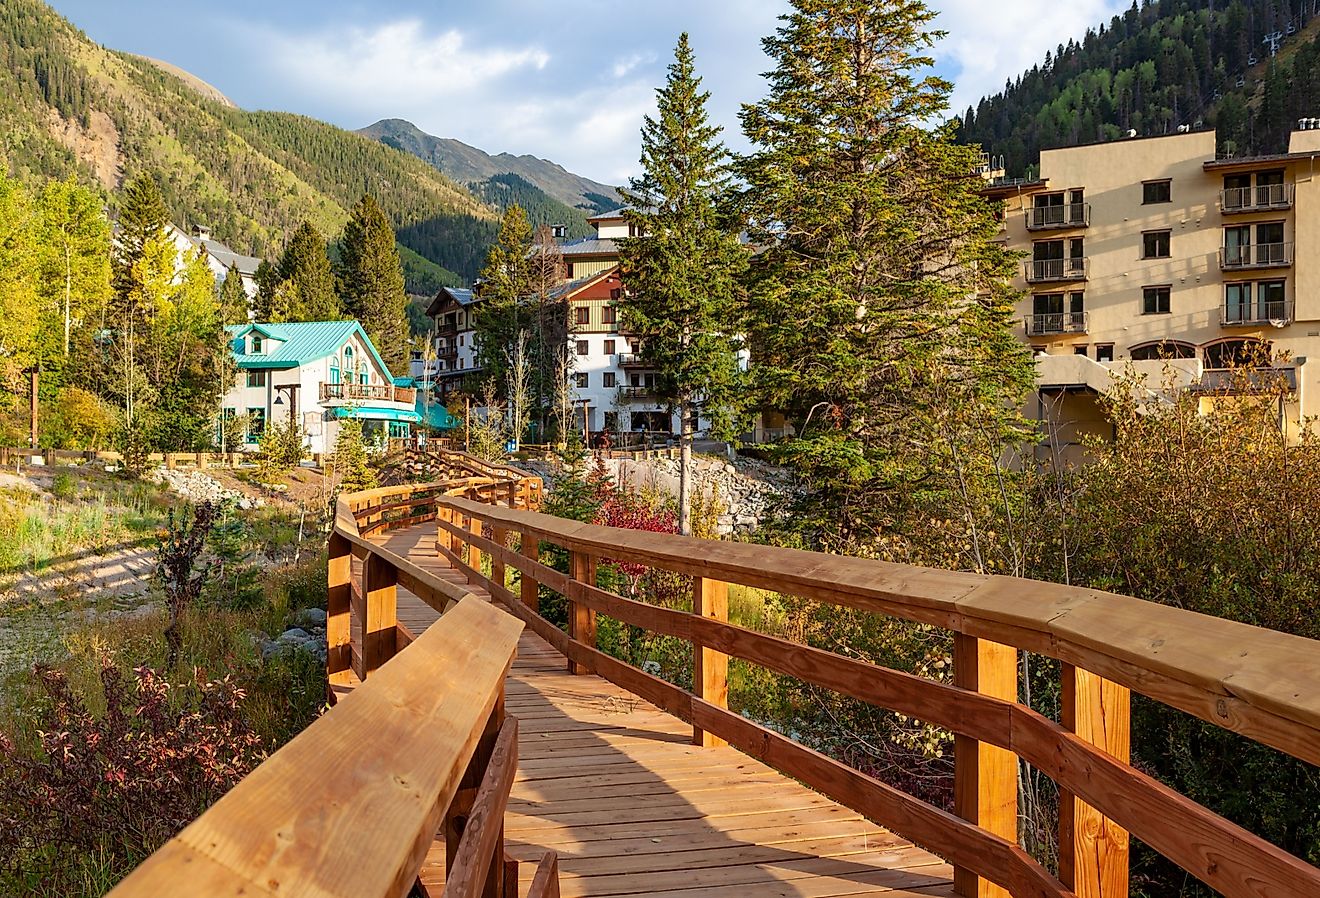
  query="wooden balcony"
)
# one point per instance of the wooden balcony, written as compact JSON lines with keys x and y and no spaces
{"x":349,"y":393}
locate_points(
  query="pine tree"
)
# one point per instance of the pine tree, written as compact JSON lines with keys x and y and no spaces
{"x":350,"y":459}
{"x":881,"y":300}
{"x":306,"y":265}
{"x":142,"y":215}
{"x":505,"y":287}
{"x":682,"y":296}
{"x":372,"y":276}
{"x":232,"y":298}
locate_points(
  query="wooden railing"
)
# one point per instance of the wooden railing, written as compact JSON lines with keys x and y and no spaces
{"x":351,"y":806}
{"x":367,"y":393}
{"x":1262,"y":684}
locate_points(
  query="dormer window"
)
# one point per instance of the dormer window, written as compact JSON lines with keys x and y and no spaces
{"x":258,"y":345}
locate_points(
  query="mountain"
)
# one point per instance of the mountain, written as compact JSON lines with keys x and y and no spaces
{"x":71,"y":107}
{"x":1199,"y":63}
{"x":469,"y":165}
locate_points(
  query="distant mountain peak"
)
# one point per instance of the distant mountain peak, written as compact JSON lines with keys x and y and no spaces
{"x":202,"y":87}
{"x":470,"y":165}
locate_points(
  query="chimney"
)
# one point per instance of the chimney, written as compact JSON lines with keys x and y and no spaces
{"x":559,"y":231}
{"x":201,"y":232}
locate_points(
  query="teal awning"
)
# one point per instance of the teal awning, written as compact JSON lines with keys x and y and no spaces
{"x":370,"y":413}
{"x":434,"y":415}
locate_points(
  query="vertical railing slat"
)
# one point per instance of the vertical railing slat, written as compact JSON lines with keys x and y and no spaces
{"x":381,"y":618}
{"x":530,"y":589}
{"x":710,"y":669}
{"x":581,"y":619}
{"x":338,"y":612}
{"x":985,"y":777}
{"x":1093,"y":850}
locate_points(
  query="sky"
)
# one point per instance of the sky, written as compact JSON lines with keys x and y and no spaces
{"x":568,"y":81}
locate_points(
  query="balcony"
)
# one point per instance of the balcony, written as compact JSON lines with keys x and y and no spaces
{"x":446,"y":351}
{"x":1262,"y":198}
{"x":1256,"y":314}
{"x":1258,"y":255}
{"x":632,"y":360}
{"x":1044,"y":271}
{"x":349,"y":393}
{"x":637,"y":394}
{"x":1052,"y":323}
{"x":1053,"y":218}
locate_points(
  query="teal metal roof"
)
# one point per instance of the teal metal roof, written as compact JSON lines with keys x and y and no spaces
{"x":371,"y":413}
{"x":299,"y":343}
{"x":434,"y":414}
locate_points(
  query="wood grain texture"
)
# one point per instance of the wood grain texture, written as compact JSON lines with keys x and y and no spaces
{"x":1093,"y":848}
{"x":710,"y":667}
{"x":477,"y":867}
{"x":528,"y":587}
{"x":985,"y":788}
{"x":581,"y":617}
{"x":381,"y":613}
{"x":338,"y":623}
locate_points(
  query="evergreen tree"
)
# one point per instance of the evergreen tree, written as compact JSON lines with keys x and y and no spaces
{"x":881,"y":301}
{"x":350,"y":458}
{"x":506,"y":282}
{"x":682,"y":299}
{"x":306,"y":266}
{"x":372,"y":277}
{"x":232,"y":299}
{"x":142,"y":215}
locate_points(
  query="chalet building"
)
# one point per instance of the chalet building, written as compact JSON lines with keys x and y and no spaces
{"x":219,"y":257}
{"x":1152,"y":255}
{"x":612,"y":388}
{"x":318,"y":373}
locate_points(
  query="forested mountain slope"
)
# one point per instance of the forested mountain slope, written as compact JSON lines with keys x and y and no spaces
{"x":68,"y":106}
{"x":1159,"y":66}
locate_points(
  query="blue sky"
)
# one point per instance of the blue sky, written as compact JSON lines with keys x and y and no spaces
{"x":568,"y":81}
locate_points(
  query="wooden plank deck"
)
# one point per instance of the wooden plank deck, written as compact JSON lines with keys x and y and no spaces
{"x":615,"y":786}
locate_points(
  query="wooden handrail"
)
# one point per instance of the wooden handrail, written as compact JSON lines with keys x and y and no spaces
{"x":1267,"y":688}
{"x":332,"y":793}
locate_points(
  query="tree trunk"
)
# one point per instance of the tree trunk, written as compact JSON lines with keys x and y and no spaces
{"x":685,"y":468}
{"x":68,"y":293}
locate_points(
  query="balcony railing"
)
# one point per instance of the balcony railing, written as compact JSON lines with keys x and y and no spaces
{"x":1277,"y":312}
{"x":1047,"y":218}
{"x":367,"y":393}
{"x":1056,"y":323}
{"x":1256,"y":255}
{"x":637,"y":393}
{"x":1256,"y":199}
{"x":1046,"y":270}
{"x":632,"y":360}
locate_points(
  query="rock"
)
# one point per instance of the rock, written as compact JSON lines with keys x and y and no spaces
{"x":309,"y":619}
{"x":294,"y":635}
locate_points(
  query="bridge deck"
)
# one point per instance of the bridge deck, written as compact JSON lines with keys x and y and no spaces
{"x":633,"y":808}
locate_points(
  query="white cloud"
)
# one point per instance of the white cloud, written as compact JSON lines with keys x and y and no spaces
{"x":988,"y":45}
{"x":625,"y":64}
{"x":394,"y":62}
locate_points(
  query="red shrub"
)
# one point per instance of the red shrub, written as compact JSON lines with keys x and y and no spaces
{"x":622,"y":509}
{"x":118,"y":785}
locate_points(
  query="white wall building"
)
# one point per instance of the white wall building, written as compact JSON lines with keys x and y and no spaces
{"x":219,"y":257}
{"x":321,"y":371}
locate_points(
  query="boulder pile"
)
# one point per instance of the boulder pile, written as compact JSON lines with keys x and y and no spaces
{"x":197,"y":486}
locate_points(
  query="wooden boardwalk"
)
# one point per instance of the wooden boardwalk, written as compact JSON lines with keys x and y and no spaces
{"x":633,"y":808}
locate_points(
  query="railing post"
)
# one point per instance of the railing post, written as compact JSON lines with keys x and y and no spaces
{"x":473,"y":553}
{"x":443,"y":537}
{"x":501,"y":538}
{"x":581,"y":619}
{"x":456,"y":817}
{"x":1093,"y":850}
{"x":530,"y":589}
{"x":379,"y":628}
{"x":710,"y":669}
{"x":985,"y":776}
{"x":338,"y":611}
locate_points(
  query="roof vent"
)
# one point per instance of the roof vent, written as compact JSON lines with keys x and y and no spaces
{"x":1132,"y":132}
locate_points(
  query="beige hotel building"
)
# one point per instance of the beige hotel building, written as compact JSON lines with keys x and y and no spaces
{"x":1152,"y":255}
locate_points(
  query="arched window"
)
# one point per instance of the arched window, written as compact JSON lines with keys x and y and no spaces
{"x":348,"y":359}
{"x":1237,"y":353}
{"x":362,"y":372}
{"x":1162,"y":349}
{"x":334,"y":371}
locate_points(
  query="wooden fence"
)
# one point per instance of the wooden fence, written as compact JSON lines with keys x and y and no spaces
{"x":1262,"y":684}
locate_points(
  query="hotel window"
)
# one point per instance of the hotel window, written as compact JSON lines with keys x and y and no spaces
{"x":1082,"y":349}
{"x":582,"y":380}
{"x":258,"y":345}
{"x":609,"y":314}
{"x":1155,"y":245}
{"x":1104,"y":352}
{"x":256,"y":378}
{"x":1155,"y":301}
{"x":583,"y":347}
{"x":582,"y":315}
{"x":1156,"y":192}
{"x":609,"y":347}
{"x":608,"y":380}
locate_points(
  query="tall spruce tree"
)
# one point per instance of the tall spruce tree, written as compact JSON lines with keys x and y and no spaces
{"x":372,"y":277}
{"x":232,"y":299}
{"x":142,"y":216}
{"x":506,"y":282}
{"x":307,"y":267}
{"x":682,"y":295}
{"x":881,"y":301}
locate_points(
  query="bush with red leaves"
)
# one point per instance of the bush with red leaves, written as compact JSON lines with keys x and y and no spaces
{"x":621,"y":509}
{"x":114,"y":787}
